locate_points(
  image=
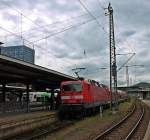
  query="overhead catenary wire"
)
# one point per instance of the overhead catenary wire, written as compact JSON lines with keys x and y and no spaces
{"x":57,"y":30}
{"x":125,"y":62}
{"x":51,"y":35}
{"x":37,"y":24}
{"x":103,"y":8}
{"x":81,"y":15}
{"x":35,"y":45}
{"x":23,"y":38}
{"x":23,"y":15}
{"x":94,"y":70}
{"x":95,"y":17}
{"x":92,"y":15}
{"x":14,"y":34}
{"x":83,"y":5}
{"x":32,"y":42}
{"x":46,"y":29}
{"x":58,"y":22}
{"x":54,"y":23}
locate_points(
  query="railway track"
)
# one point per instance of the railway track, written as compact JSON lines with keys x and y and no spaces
{"x":22,"y":121}
{"x":14,"y":127}
{"x":124,"y":129}
{"x":6,"y":121}
{"x":42,"y":132}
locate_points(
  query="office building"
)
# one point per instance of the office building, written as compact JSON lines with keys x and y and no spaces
{"x":21,"y":52}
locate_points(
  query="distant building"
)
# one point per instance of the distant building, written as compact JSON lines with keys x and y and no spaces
{"x":141,"y":90}
{"x":21,"y":52}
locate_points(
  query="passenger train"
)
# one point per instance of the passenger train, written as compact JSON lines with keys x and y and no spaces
{"x":86,"y":95}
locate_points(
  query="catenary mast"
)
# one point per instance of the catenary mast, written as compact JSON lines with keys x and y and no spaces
{"x":113,"y":66}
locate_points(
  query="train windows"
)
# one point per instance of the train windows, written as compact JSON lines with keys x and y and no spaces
{"x":72,"y":88}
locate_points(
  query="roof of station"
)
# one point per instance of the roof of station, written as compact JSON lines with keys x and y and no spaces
{"x":13,"y":71}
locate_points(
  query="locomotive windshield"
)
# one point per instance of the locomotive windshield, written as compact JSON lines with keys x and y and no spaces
{"x":72,"y":88}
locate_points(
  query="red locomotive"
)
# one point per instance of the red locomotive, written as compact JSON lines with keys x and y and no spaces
{"x":85,"y":95}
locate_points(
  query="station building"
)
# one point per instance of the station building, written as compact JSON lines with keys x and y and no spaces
{"x":140,"y":90}
{"x":20,"y":52}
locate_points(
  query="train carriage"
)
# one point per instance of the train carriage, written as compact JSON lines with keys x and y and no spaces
{"x":85,"y":95}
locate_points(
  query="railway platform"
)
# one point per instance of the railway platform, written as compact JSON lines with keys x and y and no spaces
{"x":22,"y":115}
{"x":147,"y":134}
{"x":14,"y":124}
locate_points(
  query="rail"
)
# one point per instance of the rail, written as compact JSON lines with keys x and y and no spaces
{"x":136,"y":125}
{"x":103,"y":134}
{"x":133,"y":129}
{"x":10,"y":122}
{"x":43,"y":131}
{"x":11,"y":128}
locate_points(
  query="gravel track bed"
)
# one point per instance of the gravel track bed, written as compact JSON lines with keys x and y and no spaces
{"x":140,"y":133}
{"x":122,"y":130}
{"x":89,"y":127}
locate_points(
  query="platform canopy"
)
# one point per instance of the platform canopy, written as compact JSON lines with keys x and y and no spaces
{"x":16,"y":71}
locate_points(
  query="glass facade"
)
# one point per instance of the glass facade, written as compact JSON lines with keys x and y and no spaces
{"x":21,"y":52}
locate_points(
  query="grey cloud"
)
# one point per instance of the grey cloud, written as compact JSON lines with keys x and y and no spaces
{"x":62,"y":55}
{"x":128,"y":33}
{"x":145,"y":54}
{"x":131,"y":13}
{"x":9,"y":16}
{"x":131,"y":24}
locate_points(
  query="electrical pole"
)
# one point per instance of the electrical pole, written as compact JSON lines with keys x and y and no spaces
{"x":113,"y":67}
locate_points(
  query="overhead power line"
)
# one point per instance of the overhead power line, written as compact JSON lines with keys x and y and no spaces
{"x":59,"y":29}
{"x":93,"y":71}
{"x":95,"y":17}
{"x":83,"y":5}
{"x":126,"y":62}
{"x":92,"y":15}
{"x":53,"y":34}
{"x":54,"y":23}
{"x":23,"y":15}
{"x":58,"y":22}
{"x":77,"y":25}
{"x":38,"y":45}
{"x":19,"y":36}
{"x":18,"y":11}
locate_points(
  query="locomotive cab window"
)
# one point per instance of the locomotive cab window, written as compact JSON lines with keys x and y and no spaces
{"x":72,"y":88}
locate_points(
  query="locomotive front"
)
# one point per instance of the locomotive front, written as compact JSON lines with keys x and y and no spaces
{"x":72,"y":97}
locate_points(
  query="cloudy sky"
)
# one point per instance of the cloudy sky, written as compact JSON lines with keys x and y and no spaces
{"x":66,"y":36}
